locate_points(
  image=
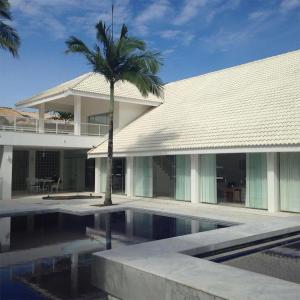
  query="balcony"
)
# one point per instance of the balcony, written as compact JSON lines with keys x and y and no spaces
{"x":60,"y":127}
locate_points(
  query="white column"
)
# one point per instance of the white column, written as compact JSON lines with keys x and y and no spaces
{"x":97,"y":175}
{"x":74,"y":274}
{"x":42,"y":118}
{"x":129,"y":223}
{"x":6,"y":157}
{"x":129,"y":177}
{"x":273,"y":182}
{"x":5,"y":234}
{"x":195,"y":226}
{"x":77,"y":115}
{"x":195,"y":178}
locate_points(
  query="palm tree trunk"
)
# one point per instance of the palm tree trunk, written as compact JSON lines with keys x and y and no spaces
{"x":108,"y":190}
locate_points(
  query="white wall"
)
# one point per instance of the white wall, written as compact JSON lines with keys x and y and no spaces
{"x":124,"y":112}
{"x":62,"y":141}
{"x":6,"y":157}
{"x":128,"y":112}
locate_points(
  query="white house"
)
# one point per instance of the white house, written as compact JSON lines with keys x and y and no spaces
{"x":34,"y":150}
{"x":229,"y":137}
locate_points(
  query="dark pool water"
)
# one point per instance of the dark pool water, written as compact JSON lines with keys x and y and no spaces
{"x":48,"y":256}
{"x":281,"y":262}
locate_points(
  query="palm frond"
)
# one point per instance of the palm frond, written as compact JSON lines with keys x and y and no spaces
{"x":145,"y":82}
{"x":9,"y":39}
{"x":103,"y":34}
{"x":100,"y":64}
{"x":75,"y":45}
{"x":5,"y":10}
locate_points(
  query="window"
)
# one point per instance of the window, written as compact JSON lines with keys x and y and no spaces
{"x":47,"y":164}
{"x":99,"y":119}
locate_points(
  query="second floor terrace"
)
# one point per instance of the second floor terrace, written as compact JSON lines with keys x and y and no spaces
{"x":19,"y":123}
{"x":86,"y":100}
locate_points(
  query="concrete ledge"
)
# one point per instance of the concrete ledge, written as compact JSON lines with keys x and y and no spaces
{"x":162,"y":270}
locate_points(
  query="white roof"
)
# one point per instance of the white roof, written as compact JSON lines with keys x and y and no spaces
{"x":252,"y":105}
{"x":91,"y":85}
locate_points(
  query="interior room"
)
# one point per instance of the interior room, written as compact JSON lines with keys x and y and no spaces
{"x":231,"y":178}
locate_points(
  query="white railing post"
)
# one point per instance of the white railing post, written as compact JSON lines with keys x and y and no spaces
{"x":41,"y":118}
{"x":15,"y":123}
{"x":77,"y":115}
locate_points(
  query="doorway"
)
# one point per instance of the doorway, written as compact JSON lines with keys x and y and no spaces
{"x":118,"y":175}
{"x":164,"y":176}
{"x":20,"y":167}
{"x":231,"y":179}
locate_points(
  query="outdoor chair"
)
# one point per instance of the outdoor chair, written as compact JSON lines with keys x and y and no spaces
{"x":32,"y":185}
{"x":55,"y":185}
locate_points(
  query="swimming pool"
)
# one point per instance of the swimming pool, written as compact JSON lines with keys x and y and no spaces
{"x":277,"y":257}
{"x":48,"y":256}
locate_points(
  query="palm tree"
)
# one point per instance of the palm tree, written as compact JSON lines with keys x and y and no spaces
{"x":122,"y":59}
{"x":9,"y":39}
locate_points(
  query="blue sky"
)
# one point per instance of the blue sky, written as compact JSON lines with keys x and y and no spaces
{"x":194,"y":36}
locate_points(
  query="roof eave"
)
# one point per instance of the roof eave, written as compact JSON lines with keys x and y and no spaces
{"x":74,"y":92}
{"x":243,"y":149}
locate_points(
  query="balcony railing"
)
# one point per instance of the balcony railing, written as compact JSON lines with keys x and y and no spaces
{"x":25,"y":124}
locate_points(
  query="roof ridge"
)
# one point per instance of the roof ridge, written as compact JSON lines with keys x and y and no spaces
{"x":236,"y":66}
{"x":85,"y":76}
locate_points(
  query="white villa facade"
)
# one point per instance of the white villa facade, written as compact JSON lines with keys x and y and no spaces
{"x":32,"y":150}
{"x":229,"y":137}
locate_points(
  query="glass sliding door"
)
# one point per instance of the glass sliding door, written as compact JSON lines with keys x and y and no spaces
{"x":290,"y":182}
{"x":118,"y":175}
{"x":208,"y":178}
{"x":143,"y":177}
{"x":231,"y":178}
{"x":164,"y":176}
{"x":256,"y":181}
{"x":103,"y":170}
{"x":183,"y":177}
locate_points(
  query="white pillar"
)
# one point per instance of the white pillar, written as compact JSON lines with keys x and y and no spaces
{"x":273,"y":182}
{"x":5,"y":234}
{"x":42,"y":118}
{"x":129,"y":223}
{"x":74,"y":274}
{"x":97,"y":175}
{"x":195,"y":178}
{"x":6,"y":157}
{"x":77,"y":115}
{"x":195,"y":226}
{"x":129,"y":177}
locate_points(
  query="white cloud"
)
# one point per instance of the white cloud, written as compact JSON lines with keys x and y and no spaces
{"x":167,"y":52}
{"x":224,"y":40}
{"x":189,"y":11}
{"x":64,"y":17}
{"x":287,"y":5}
{"x":209,"y":9}
{"x":169,"y":34}
{"x":155,"y":11}
{"x":260,"y":15}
